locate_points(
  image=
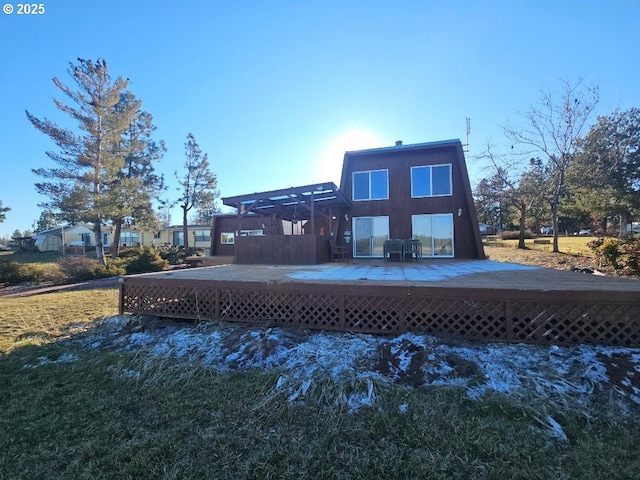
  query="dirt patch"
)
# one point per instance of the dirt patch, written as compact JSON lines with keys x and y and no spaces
{"x":402,"y":362}
{"x":623,"y":373}
{"x":411,"y":364}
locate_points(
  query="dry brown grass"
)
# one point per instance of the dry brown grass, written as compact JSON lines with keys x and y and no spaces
{"x":45,"y":318}
{"x":540,"y":258}
{"x":574,"y":253}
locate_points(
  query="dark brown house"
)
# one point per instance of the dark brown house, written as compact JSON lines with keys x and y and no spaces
{"x":419,"y":192}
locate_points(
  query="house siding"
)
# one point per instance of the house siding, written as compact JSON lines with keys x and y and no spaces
{"x":231,"y":224}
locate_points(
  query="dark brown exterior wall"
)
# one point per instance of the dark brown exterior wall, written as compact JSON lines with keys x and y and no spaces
{"x":400,"y":206}
{"x":229,"y":223}
{"x":283,"y":250}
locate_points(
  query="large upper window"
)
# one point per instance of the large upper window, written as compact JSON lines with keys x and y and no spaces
{"x":371,"y":185}
{"x":431,"y":181}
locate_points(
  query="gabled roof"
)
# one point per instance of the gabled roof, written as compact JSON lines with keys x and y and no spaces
{"x":290,"y":203}
{"x":400,"y":147}
{"x":454,"y":143}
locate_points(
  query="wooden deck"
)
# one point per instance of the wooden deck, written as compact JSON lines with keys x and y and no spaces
{"x":481,"y":299}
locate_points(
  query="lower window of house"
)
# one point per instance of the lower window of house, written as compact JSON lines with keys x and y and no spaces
{"x":227,"y":238}
{"x":435,"y":231}
{"x":128,"y":237}
{"x":202,"y":235}
{"x":369,"y":234}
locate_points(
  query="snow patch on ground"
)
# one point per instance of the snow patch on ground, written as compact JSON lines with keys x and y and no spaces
{"x":358,"y":363}
{"x":41,"y":361}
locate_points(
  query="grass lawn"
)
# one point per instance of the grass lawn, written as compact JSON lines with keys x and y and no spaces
{"x":45,"y":318}
{"x":576,"y":245}
{"x":70,"y":411}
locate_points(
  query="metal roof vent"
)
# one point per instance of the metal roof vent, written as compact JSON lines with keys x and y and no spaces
{"x":398,"y":143}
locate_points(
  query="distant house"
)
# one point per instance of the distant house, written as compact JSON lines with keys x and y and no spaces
{"x":487,"y":229}
{"x":199,"y":236}
{"x":82,"y":235}
{"x":53,"y":239}
{"x":418,"y":191}
{"x":79,"y":235}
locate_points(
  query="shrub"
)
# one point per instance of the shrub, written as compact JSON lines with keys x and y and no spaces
{"x":607,"y":251}
{"x":83,"y":268}
{"x":13,"y":273}
{"x":630,"y":251}
{"x":621,"y":254}
{"x":148,"y":260}
{"x":131,"y":252}
{"x":173,"y":255}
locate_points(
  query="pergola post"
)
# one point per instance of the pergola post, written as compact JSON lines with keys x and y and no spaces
{"x":313,"y":215}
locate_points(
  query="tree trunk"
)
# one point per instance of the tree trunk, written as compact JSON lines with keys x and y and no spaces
{"x":185,"y":231}
{"x":623,"y":225}
{"x":117,"y":234}
{"x":97,"y":227}
{"x":555,"y":202}
{"x":554,"y":219}
{"x":523,"y":216}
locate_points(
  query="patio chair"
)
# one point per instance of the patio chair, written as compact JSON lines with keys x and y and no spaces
{"x":338,"y":252}
{"x":412,"y":248}
{"x":393,"y":248}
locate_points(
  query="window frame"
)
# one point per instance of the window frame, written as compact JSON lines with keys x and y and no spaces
{"x":431,"y":217}
{"x":369,"y":185}
{"x":430,"y":168}
{"x":205,"y":237}
{"x":258,"y":232}
{"x":227,"y":238}
{"x":131,"y":234}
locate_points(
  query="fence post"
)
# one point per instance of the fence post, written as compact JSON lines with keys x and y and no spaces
{"x":120,"y":296}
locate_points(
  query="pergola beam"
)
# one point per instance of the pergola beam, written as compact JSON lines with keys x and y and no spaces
{"x":286,"y":202}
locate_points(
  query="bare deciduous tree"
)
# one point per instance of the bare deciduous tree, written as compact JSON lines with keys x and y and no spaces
{"x":521,"y":187}
{"x":553,"y":127}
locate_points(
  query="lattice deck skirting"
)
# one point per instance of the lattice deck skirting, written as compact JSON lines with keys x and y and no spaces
{"x":530,"y":316}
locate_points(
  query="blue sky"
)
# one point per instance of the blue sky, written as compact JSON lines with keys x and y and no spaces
{"x":276,"y":91}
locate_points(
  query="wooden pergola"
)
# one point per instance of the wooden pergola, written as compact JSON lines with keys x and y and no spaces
{"x":293,"y":204}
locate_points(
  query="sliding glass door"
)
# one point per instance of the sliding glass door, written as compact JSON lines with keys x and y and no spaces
{"x":369,"y":234}
{"x":435,"y":231}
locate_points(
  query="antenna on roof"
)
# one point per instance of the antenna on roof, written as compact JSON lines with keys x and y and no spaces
{"x":465,"y":147}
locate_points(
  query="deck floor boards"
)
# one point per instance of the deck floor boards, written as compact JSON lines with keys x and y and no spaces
{"x":484,"y":274}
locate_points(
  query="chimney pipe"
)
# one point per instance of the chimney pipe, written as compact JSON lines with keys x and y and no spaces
{"x":398,"y":143}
